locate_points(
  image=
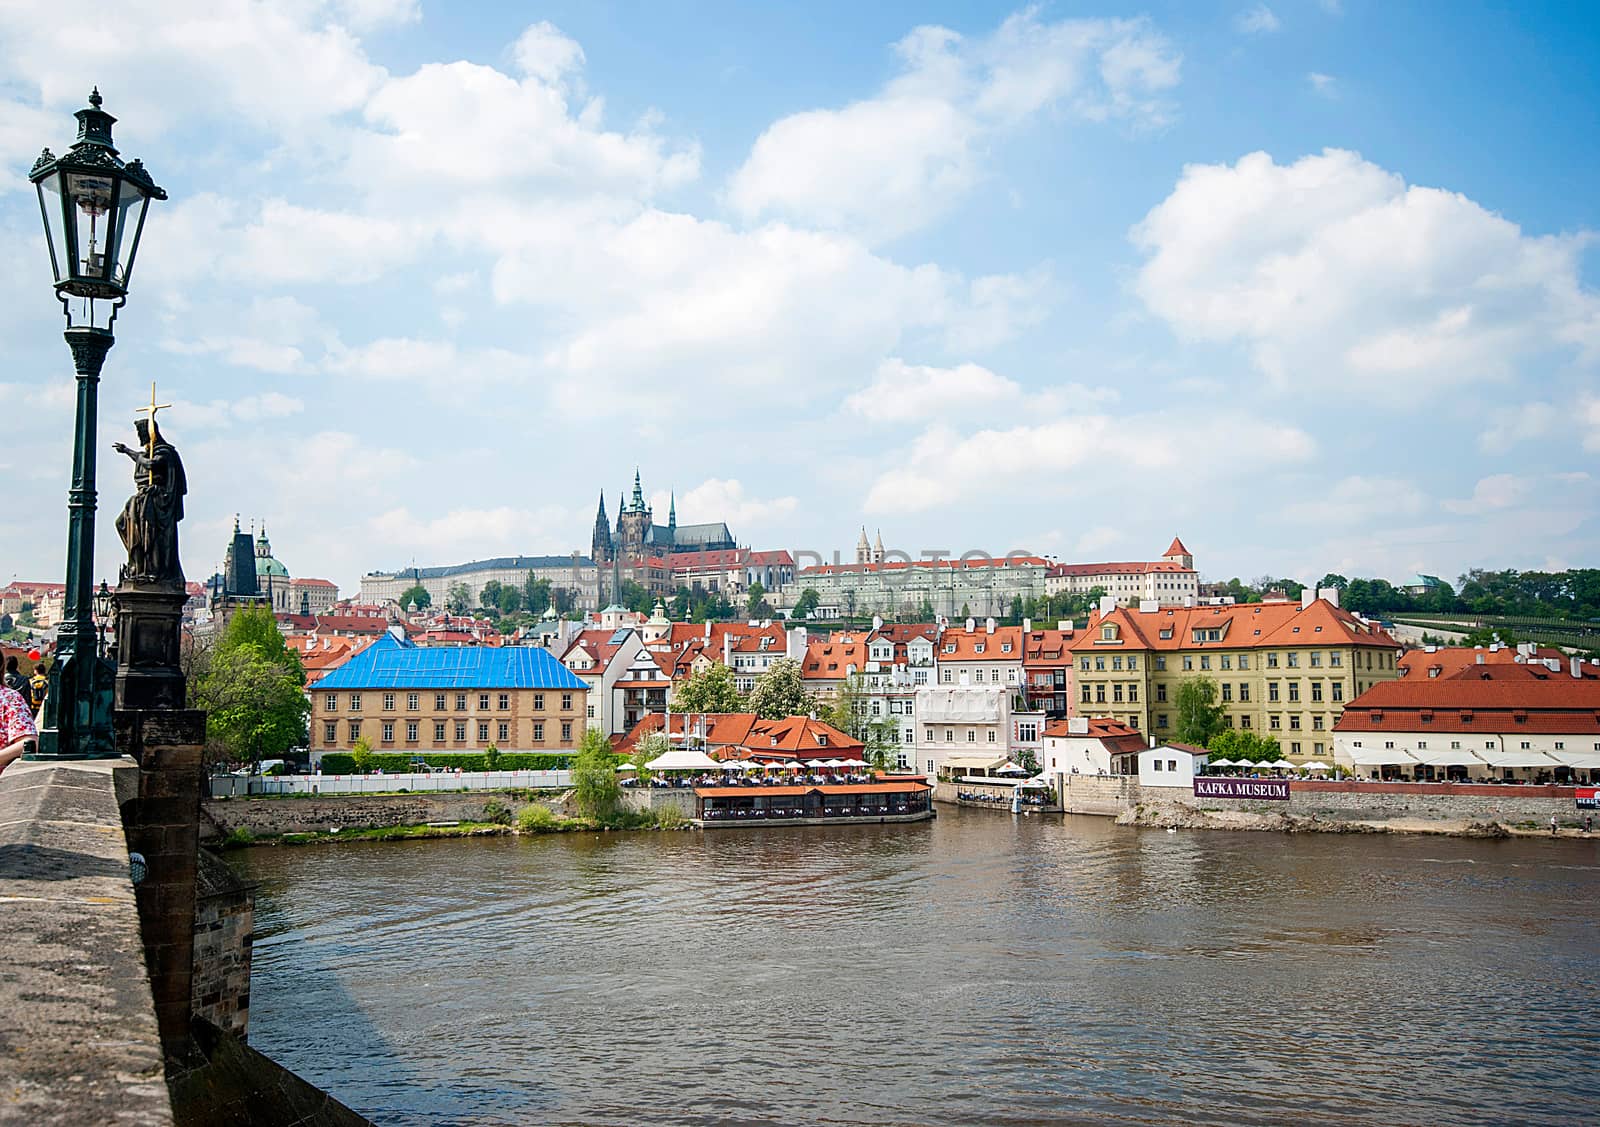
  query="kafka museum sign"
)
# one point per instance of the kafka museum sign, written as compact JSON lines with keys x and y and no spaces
{"x":1276,"y":790}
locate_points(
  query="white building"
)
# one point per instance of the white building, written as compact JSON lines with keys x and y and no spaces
{"x":1170,"y":765}
{"x":1083,"y":745}
{"x":1168,"y":581}
{"x":964,"y":727}
{"x":600,"y":659}
{"x":897,"y":585}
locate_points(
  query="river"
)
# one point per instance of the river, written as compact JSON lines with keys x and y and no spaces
{"x":975,"y":969}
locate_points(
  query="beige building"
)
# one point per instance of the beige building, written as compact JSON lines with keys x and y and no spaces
{"x":1168,"y":581}
{"x":1282,"y":669}
{"x":404,"y":698}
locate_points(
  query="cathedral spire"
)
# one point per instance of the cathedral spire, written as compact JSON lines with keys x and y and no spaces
{"x":672,"y":510}
{"x":638,"y":492}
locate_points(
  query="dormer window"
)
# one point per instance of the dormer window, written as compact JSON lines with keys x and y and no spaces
{"x":979,"y":648}
{"x":822,"y":740}
{"x":950,"y":647}
{"x":1005,"y":647}
{"x":1108,"y":633}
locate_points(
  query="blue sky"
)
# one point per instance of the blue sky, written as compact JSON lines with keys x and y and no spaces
{"x":1312,"y":284}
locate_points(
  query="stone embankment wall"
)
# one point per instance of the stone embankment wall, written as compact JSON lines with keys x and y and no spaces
{"x":271,"y":816}
{"x":949,"y":792}
{"x":650,"y":800}
{"x":1363,"y":802}
{"x":224,"y":939}
{"x":1107,"y":795}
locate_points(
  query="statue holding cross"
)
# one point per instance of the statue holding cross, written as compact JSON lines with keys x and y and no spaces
{"x":148,"y":523}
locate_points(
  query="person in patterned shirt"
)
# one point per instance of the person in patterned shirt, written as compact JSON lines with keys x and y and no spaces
{"x":17,"y":733}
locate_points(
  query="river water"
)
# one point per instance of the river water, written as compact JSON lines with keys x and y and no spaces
{"x":975,"y":969}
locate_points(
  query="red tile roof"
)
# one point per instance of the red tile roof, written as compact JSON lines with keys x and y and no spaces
{"x":1453,"y":704}
{"x":958,"y":645}
{"x":830,"y":661}
{"x":1177,"y":549}
{"x":901,"y":565}
{"x":1122,"y":568}
{"x":1241,"y":626}
{"x":798,"y":736}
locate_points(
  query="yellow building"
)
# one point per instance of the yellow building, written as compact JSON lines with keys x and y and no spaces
{"x":400,"y":697}
{"x":1282,"y":669}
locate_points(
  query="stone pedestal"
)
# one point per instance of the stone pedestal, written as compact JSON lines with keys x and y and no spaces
{"x":163,"y":823}
{"x":149,"y":636}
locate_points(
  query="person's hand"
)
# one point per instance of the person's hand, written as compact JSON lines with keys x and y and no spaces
{"x":13,"y":752}
{"x":119,"y":448}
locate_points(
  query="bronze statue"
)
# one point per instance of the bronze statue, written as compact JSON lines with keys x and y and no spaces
{"x":148,"y":523}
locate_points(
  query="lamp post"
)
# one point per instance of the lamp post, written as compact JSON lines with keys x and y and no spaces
{"x":93,"y":206}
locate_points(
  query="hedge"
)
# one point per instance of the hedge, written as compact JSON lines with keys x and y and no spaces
{"x":342,"y":763}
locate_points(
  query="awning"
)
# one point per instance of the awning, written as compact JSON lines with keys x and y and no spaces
{"x":1585,"y":759}
{"x":681,"y":759}
{"x":1374,"y":757}
{"x":1448,"y":758}
{"x":976,"y":762}
{"x":1517,"y":759}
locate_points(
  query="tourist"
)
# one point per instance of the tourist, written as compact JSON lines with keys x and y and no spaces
{"x":15,"y":681}
{"x":17,"y":733}
{"x":38,"y":686}
{"x":1552,"y":825}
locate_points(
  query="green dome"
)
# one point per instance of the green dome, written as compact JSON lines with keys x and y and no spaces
{"x":266,"y":565}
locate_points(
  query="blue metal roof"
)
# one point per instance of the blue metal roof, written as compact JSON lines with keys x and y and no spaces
{"x":391,"y":663}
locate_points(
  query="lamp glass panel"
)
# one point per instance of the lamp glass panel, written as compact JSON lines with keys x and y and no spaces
{"x":50,"y":208}
{"x":93,"y":195}
{"x":127,"y":218}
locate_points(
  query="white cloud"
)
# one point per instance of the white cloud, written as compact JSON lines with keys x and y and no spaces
{"x":1324,"y":84}
{"x":467,"y":533}
{"x":891,"y":163}
{"x":1096,"y":540}
{"x":944,"y":467}
{"x":725,"y":499}
{"x":1498,"y":491}
{"x":1359,"y":500}
{"x":902,"y":392}
{"x":1332,"y":267}
{"x":1514,"y":425}
{"x":1255,"y":21}
{"x":543,"y":52}
{"x":1589,"y":420}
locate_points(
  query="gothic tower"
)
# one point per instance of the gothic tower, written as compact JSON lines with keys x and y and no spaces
{"x":863,"y":549}
{"x":601,"y":549}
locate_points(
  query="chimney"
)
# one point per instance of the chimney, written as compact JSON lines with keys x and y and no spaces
{"x":1308,"y":595}
{"x":1430,"y":649}
{"x":1328,"y":595}
{"x":877,"y":622}
{"x":988,"y":626}
{"x":1480,"y":658}
{"x":1577,"y":667}
{"x":1108,"y":603}
{"x":708,"y":630}
{"x":1149,"y":606}
{"x":1027,"y":626}
{"x":1077,"y":725}
{"x":1188,"y":600}
{"x":1064,"y":624}
{"x":971,"y":626}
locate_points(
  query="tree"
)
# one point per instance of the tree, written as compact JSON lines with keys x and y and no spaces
{"x":458,"y":599}
{"x":1233,"y":743}
{"x":594,"y":776}
{"x":416,"y":594}
{"x":806,"y":605}
{"x":1199,"y":717}
{"x":780,"y":692}
{"x":251,"y":691}
{"x":1333,"y":579}
{"x":756,"y":601}
{"x":849,"y":714}
{"x":508,"y":600}
{"x":1488,"y":635}
{"x":489,"y":596}
{"x":536,"y":594}
{"x":361,"y":755}
{"x":711,"y":691}
{"x":650,"y":747}
{"x":491,"y":757}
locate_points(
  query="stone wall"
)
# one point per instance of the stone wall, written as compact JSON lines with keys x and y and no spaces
{"x":78,"y":1032}
{"x":1107,"y":795}
{"x":269,"y":816}
{"x":645,"y":799}
{"x":224,"y":936}
{"x":1435,"y":802}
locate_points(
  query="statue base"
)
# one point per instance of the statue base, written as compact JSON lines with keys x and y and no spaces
{"x":149,"y":653}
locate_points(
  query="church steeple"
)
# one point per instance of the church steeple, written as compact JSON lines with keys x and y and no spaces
{"x":601,"y":548}
{"x":638,"y":492}
{"x":672,"y":510}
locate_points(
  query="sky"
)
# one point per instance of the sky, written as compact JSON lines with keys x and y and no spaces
{"x":1311,"y":283}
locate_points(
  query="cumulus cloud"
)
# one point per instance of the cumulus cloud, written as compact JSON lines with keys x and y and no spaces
{"x":1498,"y":491}
{"x":902,"y":392}
{"x":726,"y":499}
{"x":1332,"y":267}
{"x":1256,"y":21}
{"x":1324,"y":84}
{"x":1512,"y":425}
{"x":891,"y":163}
{"x":1359,"y":500}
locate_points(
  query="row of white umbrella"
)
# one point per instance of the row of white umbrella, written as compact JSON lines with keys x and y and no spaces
{"x":1276,"y":764}
{"x":748,"y":765}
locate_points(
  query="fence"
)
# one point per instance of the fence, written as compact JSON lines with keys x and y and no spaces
{"x":238,"y":786}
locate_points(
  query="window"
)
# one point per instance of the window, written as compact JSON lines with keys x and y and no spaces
{"x":483,"y":732}
{"x":355,"y":702}
{"x":1083,"y":664}
{"x":1316,"y":749}
{"x":413,"y":702}
{"x":1099,"y":694}
{"x":1316,"y":692}
{"x":1244,"y":692}
{"x":1272,"y":661}
{"x":566,"y":702}
{"x":1316,"y":659}
{"x":1172,"y":764}
{"x":504,"y":702}
{"x":1205,"y":661}
{"x":1272,"y":691}
{"x":1338,"y":691}
{"x":1526,"y":745}
{"x":1116,"y":692}
{"x":1388,"y":745}
{"x":438,"y":731}
{"x":566,"y":731}
{"x":461,"y":731}
{"x":1028,"y":732}
{"x":388,"y":731}
{"x":1100,"y":664}
{"x":1188,"y":662}
{"x":1133,"y":694}
{"x":1161,"y":663}
{"x":944,"y":675}
{"x":502,"y":731}
{"x":1316,"y":723}
{"x":538,"y":731}
{"x":1244,"y":661}
{"x":1227,"y":692}
{"x":1087,"y":698}
{"x":461,"y":702}
{"x":483,"y":703}
{"x":1422,"y":745}
{"x":1161,"y":720}
{"x":1161,"y":694}
{"x":1294,"y":692}
{"x":1336,"y":659}
{"x":388,"y":702}
{"x":1227,"y":661}
{"x":1294,"y":748}
{"x":972,"y":735}
{"x":949,"y":735}
{"x":439,"y":702}
{"x":1244,"y":721}
{"x":1157,"y":764}
{"x":1561,"y":745}
{"x":927,"y":734}
{"x":991,"y":735}
{"x":330,"y":732}
{"x":411,"y":731}
{"x":1294,"y":721}
{"x":1294,"y":659}
{"x":1455,"y":745}
{"x":1116,"y":663}
{"x":1108,"y":633}
{"x":1274,"y":721}
{"x":591,"y":712}
{"x":332,"y":703}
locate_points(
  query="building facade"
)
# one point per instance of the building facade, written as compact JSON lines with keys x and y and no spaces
{"x":1168,"y":581}
{"x":403,"y":698}
{"x":1285,"y":669}
{"x":574,"y":574}
{"x":636,"y":537}
{"x":981,"y":586}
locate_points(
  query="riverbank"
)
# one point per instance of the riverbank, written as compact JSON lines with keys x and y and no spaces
{"x":1184,"y":817}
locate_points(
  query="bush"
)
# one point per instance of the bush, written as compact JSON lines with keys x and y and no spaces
{"x":497,"y":813}
{"x":342,"y":763}
{"x":538,"y":819}
{"x":671,"y":818}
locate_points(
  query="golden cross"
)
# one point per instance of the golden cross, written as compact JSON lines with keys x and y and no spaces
{"x":150,"y":436}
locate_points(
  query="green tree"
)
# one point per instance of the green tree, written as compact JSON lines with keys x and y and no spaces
{"x":849,"y":712}
{"x":536,"y":594}
{"x":251,"y":690}
{"x":491,"y":758}
{"x":1234,"y":743}
{"x":417,"y":594}
{"x":508,"y":600}
{"x":595,"y":790}
{"x":1333,"y":579}
{"x":1488,"y":635}
{"x":635,"y":597}
{"x":489,"y":596}
{"x":650,"y":747}
{"x":1199,"y":716}
{"x":755,"y":601}
{"x":711,"y":691}
{"x":458,"y":599}
{"x":780,"y":692}
{"x":806,"y":605}
{"x":361,"y":755}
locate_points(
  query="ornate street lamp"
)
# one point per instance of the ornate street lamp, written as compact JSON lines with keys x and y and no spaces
{"x":93,"y":207}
